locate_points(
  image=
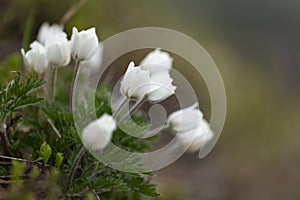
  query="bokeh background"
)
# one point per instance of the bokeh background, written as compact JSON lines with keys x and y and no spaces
{"x":256,"y":46}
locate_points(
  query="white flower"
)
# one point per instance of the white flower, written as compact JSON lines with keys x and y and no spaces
{"x":84,"y":43}
{"x":185,"y":119}
{"x":196,"y":138}
{"x":46,"y":30}
{"x":157,"y":61}
{"x":150,"y":79}
{"x":36,"y":58}
{"x":135,"y":83}
{"x":97,"y":134}
{"x":58,"y":49}
{"x":161,"y":87}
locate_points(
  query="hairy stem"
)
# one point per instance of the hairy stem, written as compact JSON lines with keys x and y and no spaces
{"x":4,"y":137}
{"x":75,"y":77}
{"x":78,"y":157}
{"x":53,"y":83}
{"x":122,"y":104}
{"x":135,"y":106}
{"x":46,"y":85}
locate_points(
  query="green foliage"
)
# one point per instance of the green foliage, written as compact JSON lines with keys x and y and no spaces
{"x":43,"y":146}
{"x":18,"y":94}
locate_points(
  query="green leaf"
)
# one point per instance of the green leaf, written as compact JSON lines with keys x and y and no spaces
{"x":45,"y":151}
{"x":59,"y":159}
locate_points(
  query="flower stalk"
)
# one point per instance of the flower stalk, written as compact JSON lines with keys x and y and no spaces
{"x":75,"y":77}
{"x":4,"y":137}
{"x":121,"y":106}
{"x":78,"y":157}
{"x":133,"y":108}
{"x":53,"y":83}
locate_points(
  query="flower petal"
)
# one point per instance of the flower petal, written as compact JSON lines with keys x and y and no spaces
{"x":196,"y":138}
{"x":157,"y":61}
{"x":97,"y":134}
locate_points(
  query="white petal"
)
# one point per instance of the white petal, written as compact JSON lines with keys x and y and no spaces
{"x":160,"y":79}
{"x":136,"y":82}
{"x":74,"y":42}
{"x":41,"y":64}
{"x":87,"y":48}
{"x":37,"y":46}
{"x":66,"y":52}
{"x":47,"y":31}
{"x":196,"y":138}
{"x":55,"y":55}
{"x":130,"y":67}
{"x":25,"y":60}
{"x":157,"y":61}
{"x":140,"y":85}
{"x":185,"y":119}
{"x":127,"y":79}
{"x":94,"y":63}
{"x":161,"y":93}
{"x":42,"y":34}
{"x":84,"y":44}
{"x":97,"y":134}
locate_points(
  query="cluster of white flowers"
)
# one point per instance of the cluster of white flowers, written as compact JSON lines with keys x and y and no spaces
{"x":53,"y":48}
{"x":150,"y":81}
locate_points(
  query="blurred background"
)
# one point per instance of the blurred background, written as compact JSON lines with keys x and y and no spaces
{"x":256,"y":46}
